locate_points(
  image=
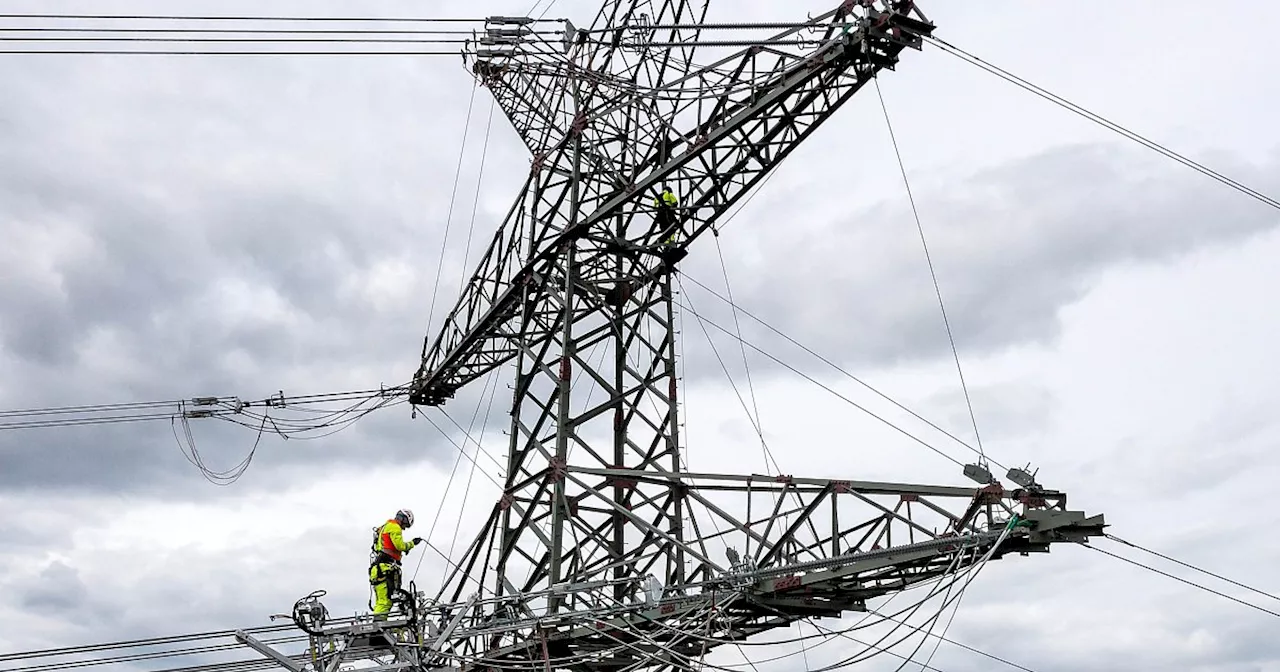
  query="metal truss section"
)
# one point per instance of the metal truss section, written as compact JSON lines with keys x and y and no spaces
{"x":533,"y":78}
{"x":608,"y":401}
{"x":602,"y":552}
{"x":610,"y":134}
{"x":759,"y":551}
{"x":589,"y":317}
{"x":762,"y":553}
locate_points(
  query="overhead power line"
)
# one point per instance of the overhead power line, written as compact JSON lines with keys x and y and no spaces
{"x":1192,"y":567}
{"x":1182,"y":580}
{"x":133,"y":643}
{"x":157,"y":52}
{"x":839,"y":369}
{"x":112,"y":32}
{"x":206,"y":17}
{"x":943,"y":638}
{"x":125,"y":406}
{"x":1100,"y":120}
{"x":246,"y":31}
{"x":298,"y":417}
{"x":153,"y":655}
{"x":238,"y":40}
{"x":798,"y":372}
{"x":194,"y":408}
{"x":937,"y":289}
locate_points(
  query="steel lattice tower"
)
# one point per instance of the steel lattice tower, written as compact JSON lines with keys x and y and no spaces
{"x":604,"y":553}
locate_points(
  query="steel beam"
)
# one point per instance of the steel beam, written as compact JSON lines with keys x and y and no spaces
{"x":280,"y":659}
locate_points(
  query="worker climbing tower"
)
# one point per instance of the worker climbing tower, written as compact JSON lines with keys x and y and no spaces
{"x":604,"y":552}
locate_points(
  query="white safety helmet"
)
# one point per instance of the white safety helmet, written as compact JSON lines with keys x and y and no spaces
{"x":405,"y":516}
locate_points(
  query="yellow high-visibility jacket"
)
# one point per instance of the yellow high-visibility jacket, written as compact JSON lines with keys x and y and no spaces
{"x":666,"y":198}
{"x":391,"y":540}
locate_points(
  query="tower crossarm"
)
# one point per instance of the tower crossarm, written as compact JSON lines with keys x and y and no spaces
{"x":786,"y":548}
{"x":531,"y":77}
{"x":766,"y":551}
{"x":712,"y":134}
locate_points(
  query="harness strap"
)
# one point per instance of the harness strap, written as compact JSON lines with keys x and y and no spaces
{"x":384,"y":572}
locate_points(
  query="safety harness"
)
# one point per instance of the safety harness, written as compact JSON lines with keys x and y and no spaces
{"x":381,"y":574}
{"x":380,"y":558}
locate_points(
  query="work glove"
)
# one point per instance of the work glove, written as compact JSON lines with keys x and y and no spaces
{"x":417,"y":540}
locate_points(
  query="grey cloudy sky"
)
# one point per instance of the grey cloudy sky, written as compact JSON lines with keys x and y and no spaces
{"x":180,"y":227}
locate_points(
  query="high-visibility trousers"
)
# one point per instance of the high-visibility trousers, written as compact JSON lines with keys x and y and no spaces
{"x":385,"y":578}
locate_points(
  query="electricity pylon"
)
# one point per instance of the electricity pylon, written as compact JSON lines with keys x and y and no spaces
{"x":604,"y":552}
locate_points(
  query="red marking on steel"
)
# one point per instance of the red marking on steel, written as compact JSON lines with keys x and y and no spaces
{"x":557,"y":471}
{"x":1032,"y":501}
{"x":786,"y":582}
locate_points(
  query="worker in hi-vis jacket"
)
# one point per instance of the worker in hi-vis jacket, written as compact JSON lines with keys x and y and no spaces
{"x":389,"y":546}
